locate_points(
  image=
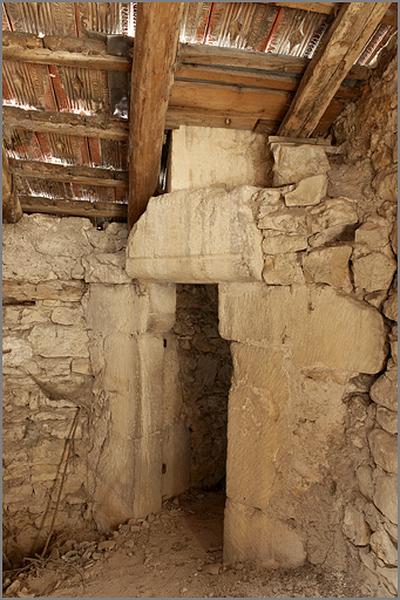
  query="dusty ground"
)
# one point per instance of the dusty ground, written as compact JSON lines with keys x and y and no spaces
{"x":176,"y":553}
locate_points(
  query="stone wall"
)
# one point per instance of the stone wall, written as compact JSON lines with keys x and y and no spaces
{"x":88,"y":361}
{"x":367,"y":171}
{"x":205,"y":368}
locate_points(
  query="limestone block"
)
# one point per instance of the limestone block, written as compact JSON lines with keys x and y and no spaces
{"x":81,"y":365}
{"x":205,"y":236}
{"x":374,"y":234}
{"x":53,"y":341}
{"x":131,"y":308}
{"x":384,"y":390}
{"x":390,"y":309}
{"x":387,"y":419}
{"x":105,"y":268}
{"x":383,"y":449}
{"x":147,"y":477}
{"x":282,"y":269}
{"x":332,"y":214}
{"x":252,"y":535}
{"x":276,"y":243}
{"x":383,"y":547}
{"x":385,"y":495}
{"x":255,"y":432}
{"x":365,"y":481}
{"x":133,"y":378}
{"x":329,"y":265}
{"x":308,"y":191}
{"x":172,"y":387}
{"x":354,"y":526}
{"x":16,"y":352}
{"x":112,"y":239}
{"x":66,"y":316}
{"x":285,"y":220}
{"x":175,"y":459}
{"x":309,"y":319}
{"x":269,"y":199}
{"x":373,"y":272}
{"x":227,"y":156}
{"x":294,"y":163}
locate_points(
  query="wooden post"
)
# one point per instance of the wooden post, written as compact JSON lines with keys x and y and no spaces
{"x":12,"y":211}
{"x":155,"y":50}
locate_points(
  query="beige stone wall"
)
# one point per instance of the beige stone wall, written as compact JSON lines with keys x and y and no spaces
{"x":88,"y":361}
{"x":368,"y":172}
{"x":207,"y":156}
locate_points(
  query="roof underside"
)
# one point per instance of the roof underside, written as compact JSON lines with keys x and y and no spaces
{"x":203,"y":94}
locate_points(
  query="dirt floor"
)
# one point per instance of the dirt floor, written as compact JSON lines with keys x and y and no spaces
{"x":177,"y":553}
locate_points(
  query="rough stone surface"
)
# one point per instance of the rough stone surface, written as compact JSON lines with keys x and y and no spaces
{"x":384,"y":449}
{"x":282,"y":269}
{"x":309,"y":191}
{"x":373,"y":272}
{"x":183,"y":237}
{"x":355,"y":527}
{"x":329,"y":265}
{"x":280,"y":243}
{"x":307,"y":318}
{"x":294,"y":163}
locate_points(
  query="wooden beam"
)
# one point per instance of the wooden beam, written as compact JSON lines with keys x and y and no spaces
{"x":72,"y":174}
{"x":11,"y":207}
{"x":44,"y":56}
{"x":330,"y":8}
{"x":198,"y":54}
{"x":344,"y":43}
{"x":100,"y":126}
{"x":154,"y":57}
{"x":79,"y":208}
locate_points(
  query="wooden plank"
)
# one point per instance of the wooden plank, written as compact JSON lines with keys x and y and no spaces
{"x":15,"y":291}
{"x":344,"y":43}
{"x":12,"y":211}
{"x":178,"y":116}
{"x":44,"y":56}
{"x":266,"y":104}
{"x":249,"y":79}
{"x":273,"y":63}
{"x":72,"y":174}
{"x":156,"y":45}
{"x":100,"y":126}
{"x":79,"y":208}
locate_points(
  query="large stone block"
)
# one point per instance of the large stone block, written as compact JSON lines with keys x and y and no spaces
{"x":175,"y":459}
{"x":315,"y":322}
{"x":202,"y":236}
{"x":50,"y":340}
{"x":257,"y":402}
{"x":132,"y":308}
{"x":294,"y":163}
{"x":329,"y":265}
{"x":250,"y":534}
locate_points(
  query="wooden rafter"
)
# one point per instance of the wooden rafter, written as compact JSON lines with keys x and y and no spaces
{"x":79,"y":208}
{"x":344,"y":43}
{"x":156,"y":44}
{"x":80,"y":175}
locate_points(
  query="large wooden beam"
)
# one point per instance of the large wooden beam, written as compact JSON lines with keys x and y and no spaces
{"x":11,"y":207}
{"x":344,"y":43}
{"x":154,"y":57}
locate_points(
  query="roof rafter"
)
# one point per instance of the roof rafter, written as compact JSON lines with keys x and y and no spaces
{"x":333,"y":60}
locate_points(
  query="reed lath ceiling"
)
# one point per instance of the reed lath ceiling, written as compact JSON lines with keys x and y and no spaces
{"x":211,"y":87}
